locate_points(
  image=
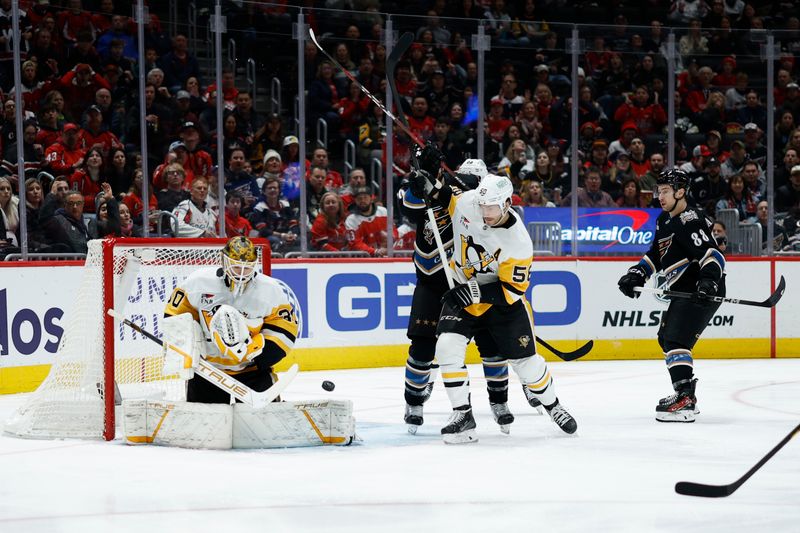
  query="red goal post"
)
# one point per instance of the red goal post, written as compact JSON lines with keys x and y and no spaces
{"x":135,"y":277}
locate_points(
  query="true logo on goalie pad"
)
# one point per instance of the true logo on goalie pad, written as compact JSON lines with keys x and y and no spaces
{"x":222,"y":426}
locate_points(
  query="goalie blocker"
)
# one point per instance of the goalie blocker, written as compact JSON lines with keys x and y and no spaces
{"x":222,"y":427}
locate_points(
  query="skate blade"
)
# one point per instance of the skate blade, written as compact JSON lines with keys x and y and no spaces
{"x":539,"y":409}
{"x":683,"y":416}
{"x":465,"y":437}
{"x":412,"y":429}
{"x":505,"y":428}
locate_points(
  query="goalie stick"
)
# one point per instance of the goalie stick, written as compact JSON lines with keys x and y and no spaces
{"x":773,"y":299}
{"x":219,"y":378}
{"x":689,"y":488}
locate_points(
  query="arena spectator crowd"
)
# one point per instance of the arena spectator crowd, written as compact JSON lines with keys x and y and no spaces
{"x":81,"y":132}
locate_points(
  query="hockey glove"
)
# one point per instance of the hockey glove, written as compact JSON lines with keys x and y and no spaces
{"x":705,"y":288}
{"x":464,"y":295}
{"x":430,"y":158}
{"x":634,"y":278}
{"x":422,"y":181}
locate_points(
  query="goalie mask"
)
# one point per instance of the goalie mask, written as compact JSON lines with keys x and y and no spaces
{"x":494,"y":198}
{"x":239,"y":258}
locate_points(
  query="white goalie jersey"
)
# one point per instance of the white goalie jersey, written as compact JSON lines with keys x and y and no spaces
{"x":266,"y":305}
{"x":489,"y":254}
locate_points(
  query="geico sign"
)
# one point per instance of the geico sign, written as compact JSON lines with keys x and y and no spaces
{"x":26,"y":331}
{"x":362,"y":301}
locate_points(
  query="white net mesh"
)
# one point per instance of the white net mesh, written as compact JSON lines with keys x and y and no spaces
{"x":70,"y":403}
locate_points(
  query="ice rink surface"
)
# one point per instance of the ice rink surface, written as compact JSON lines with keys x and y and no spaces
{"x":616,"y":474}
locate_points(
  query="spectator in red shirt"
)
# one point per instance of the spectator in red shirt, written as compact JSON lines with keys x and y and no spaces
{"x":420,"y":122}
{"x":352,"y":109}
{"x":356,"y":180}
{"x":697,"y":97}
{"x":75,"y":20}
{"x":133,"y":200}
{"x":648,"y":117}
{"x":328,"y":233}
{"x":404,"y":81}
{"x":88,"y":178}
{"x":235,"y":224}
{"x":93,"y":135}
{"x":333,"y":180}
{"x":726,"y":78}
{"x":65,"y":156}
{"x":639,"y":161}
{"x":366,"y":225}
{"x":198,"y":160}
{"x":177,"y":154}
{"x":49,"y":132}
{"x":79,"y":86}
{"x":229,"y":90}
{"x":496,"y":123}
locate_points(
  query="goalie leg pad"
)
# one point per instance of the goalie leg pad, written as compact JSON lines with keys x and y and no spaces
{"x":181,"y":424}
{"x":294,"y":424}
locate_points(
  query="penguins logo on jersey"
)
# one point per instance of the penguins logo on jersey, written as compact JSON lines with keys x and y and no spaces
{"x":474,"y":257}
{"x":524,"y":341}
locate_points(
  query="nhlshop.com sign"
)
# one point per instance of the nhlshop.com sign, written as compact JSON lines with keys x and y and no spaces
{"x":602,"y":230}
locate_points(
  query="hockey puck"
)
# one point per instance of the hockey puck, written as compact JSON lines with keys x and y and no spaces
{"x":328,"y":385}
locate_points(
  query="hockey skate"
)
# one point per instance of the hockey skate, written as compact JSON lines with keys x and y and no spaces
{"x":460,"y":428}
{"x":680,"y":406}
{"x":562,"y":418}
{"x":413,"y":417}
{"x":532,"y":399}
{"x":502,"y":416}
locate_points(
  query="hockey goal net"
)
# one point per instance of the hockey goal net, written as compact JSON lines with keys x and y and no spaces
{"x":135,"y":277}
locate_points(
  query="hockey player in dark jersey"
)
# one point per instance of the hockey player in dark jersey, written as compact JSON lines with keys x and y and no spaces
{"x":431,"y":286}
{"x":685,"y":252}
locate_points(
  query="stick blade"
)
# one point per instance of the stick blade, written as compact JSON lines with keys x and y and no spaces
{"x":401,"y":46}
{"x":778,"y":294}
{"x":687,"y":488}
{"x":580,"y":352}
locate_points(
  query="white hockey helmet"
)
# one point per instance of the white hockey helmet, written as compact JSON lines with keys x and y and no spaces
{"x":495,"y":190}
{"x":476,"y":167}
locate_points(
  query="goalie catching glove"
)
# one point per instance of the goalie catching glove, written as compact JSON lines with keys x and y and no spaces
{"x":231,"y":337}
{"x":463,"y":295}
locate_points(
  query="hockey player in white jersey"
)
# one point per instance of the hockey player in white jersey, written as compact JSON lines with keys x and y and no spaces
{"x":491,"y":258}
{"x":243,"y":320}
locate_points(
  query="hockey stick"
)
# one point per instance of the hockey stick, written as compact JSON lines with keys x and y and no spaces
{"x":568,"y":356}
{"x":219,"y":378}
{"x":769,"y":302}
{"x":403,"y":43}
{"x":688,"y":488}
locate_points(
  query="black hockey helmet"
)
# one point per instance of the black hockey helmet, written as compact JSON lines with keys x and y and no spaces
{"x":675,"y":178}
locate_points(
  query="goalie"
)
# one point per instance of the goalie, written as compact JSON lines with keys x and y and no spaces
{"x":242,"y":322}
